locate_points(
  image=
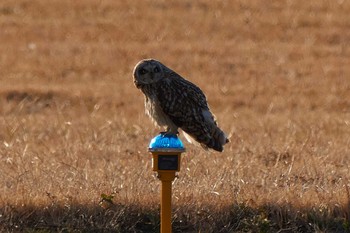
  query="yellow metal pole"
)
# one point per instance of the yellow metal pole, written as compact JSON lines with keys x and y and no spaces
{"x":165,"y":209}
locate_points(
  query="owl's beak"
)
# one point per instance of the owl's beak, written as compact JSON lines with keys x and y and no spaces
{"x":137,"y":84}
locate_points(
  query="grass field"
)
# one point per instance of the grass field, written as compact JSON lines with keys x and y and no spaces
{"x":276,"y":74}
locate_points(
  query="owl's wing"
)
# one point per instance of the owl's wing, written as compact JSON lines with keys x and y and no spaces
{"x":186,"y":105}
{"x":181,"y":100}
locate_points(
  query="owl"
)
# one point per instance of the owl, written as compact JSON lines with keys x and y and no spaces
{"x":174,"y":102}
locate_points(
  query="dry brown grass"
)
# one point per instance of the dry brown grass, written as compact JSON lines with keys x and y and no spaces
{"x":72,"y":124}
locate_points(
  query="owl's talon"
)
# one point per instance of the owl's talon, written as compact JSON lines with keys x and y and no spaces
{"x":168,"y":133}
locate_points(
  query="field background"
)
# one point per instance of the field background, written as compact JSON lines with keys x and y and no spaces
{"x":276,"y":74}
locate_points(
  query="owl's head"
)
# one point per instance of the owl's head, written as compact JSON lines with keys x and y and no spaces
{"x":148,"y":71}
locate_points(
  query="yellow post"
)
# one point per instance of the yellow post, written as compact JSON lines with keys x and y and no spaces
{"x":165,"y":210}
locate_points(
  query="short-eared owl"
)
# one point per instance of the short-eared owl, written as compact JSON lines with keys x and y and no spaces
{"x":174,"y":102}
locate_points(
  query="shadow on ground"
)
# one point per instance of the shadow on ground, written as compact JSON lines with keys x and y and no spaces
{"x":133,"y":218}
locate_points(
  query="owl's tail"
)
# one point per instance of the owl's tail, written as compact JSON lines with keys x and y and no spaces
{"x":206,"y":132}
{"x":218,"y":139}
{"x":215,"y":142}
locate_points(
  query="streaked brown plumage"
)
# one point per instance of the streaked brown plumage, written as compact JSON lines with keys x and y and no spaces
{"x":174,"y":102}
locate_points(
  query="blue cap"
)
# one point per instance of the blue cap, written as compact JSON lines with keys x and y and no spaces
{"x":166,"y":143}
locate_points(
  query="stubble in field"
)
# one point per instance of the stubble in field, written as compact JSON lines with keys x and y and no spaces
{"x":73,"y":125}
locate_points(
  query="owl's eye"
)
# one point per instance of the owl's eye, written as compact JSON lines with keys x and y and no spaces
{"x":156,"y":70}
{"x":142,"y":71}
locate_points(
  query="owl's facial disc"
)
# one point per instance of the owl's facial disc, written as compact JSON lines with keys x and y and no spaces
{"x":147,"y":72}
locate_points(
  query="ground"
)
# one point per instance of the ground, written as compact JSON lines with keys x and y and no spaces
{"x":74,"y":136}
